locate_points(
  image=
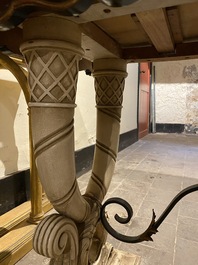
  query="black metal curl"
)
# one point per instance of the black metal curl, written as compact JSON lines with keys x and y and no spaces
{"x":152,"y":228}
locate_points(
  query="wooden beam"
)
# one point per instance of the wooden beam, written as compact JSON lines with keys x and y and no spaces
{"x":182,"y":51}
{"x":174,"y":20}
{"x":98,"y":35}
{"x":140,"y":28}
{"x":156,"y":25}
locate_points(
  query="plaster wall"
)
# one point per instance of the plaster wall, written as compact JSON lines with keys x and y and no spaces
{"x":177,"y":92}
{"x":129,"y":111}
{"x":14,"y":132}
{"x":14,"y":135}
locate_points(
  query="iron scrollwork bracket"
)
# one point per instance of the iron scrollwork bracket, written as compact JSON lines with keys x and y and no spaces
{"x":152,"y":228}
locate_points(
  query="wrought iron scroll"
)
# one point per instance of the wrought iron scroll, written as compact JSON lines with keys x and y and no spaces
{"x":152,"y":228}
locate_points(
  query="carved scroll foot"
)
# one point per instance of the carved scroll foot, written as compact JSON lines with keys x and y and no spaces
{"x":65,"y":242}
{"x":56,"y":237}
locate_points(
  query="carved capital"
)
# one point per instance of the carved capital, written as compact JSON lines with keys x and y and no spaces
{"x":109,"y":82}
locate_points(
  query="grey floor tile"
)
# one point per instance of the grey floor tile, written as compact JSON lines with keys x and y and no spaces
{"x":149,"y":256}
{"x":133,"y":197}
{"x":163,"y":240}
{"x":186,"y":252}
{"x":142,"y":176}
{"x":160,"y":195}
{"x":141,"y":187}
{"x":188,"y":228}
{"x":146,"y":208}
{"x":168,"y":182}
{"x":189,"y":209}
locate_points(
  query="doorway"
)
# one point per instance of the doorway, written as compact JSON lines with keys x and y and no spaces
{"x":144,"y":99}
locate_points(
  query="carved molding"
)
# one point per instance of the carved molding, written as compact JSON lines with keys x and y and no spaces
{"x":109,"y":90}
{"x":53,"y":73}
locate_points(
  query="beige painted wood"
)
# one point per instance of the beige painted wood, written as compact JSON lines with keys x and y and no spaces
{"x":95,"y":33}
{"x":19,"y":214}
{"x":156,"y":25}
{"x":16,"y":243}
{"x":124,"y":29}
{"x":12,"y":218}
{"x":189,"y":18}
{"x":20,"y":74}
{"x":93,"y":50}
{"x":175,"y":24}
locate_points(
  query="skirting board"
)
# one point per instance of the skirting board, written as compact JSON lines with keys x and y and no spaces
{"x":169,"y":128}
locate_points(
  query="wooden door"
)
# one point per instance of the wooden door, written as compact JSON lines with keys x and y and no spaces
{"x":144,"y":99}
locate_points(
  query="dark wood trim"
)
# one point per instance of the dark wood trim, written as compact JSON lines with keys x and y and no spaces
{"x":91,"y":30}
{"x":187,"y":50}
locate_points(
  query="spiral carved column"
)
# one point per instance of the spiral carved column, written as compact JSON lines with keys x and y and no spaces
{"x":52,"y":58}
{"x":109,"y":77}
{"x":109,"y":85}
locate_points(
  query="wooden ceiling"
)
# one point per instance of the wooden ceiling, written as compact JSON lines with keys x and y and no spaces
{"x":148,"y":30}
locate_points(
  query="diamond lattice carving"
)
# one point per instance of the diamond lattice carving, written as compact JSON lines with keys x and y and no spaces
{"x":52,"y":76}
{"x":109,"y":90}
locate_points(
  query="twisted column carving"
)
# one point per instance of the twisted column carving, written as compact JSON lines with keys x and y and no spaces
{"x":109,"y":77}
{"x":52,"y":58}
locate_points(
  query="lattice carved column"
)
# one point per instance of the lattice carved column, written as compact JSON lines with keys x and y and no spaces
{"x":109,"y":77}
{"x":109,"y":85}
{"x":52,"y":50}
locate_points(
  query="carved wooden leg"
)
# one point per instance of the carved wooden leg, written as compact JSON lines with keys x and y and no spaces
{"x":109,"y":84}
{"x":52,"y":58}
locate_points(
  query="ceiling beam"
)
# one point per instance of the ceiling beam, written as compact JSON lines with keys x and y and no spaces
{"x":95,"y":33}
{"x":156,"y":25}
{"x":142,"y":54}
{"x":175,"y":24}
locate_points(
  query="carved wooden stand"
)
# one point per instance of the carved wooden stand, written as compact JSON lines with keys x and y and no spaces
{"x":74,"y":236}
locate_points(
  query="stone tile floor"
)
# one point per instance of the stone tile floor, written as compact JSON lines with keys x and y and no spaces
{"x":148,"y":175}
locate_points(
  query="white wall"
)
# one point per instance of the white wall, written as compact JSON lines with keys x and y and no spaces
{"x":177,"y":92}
{"x":129,"y":111}
{"x":14,"y":142}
